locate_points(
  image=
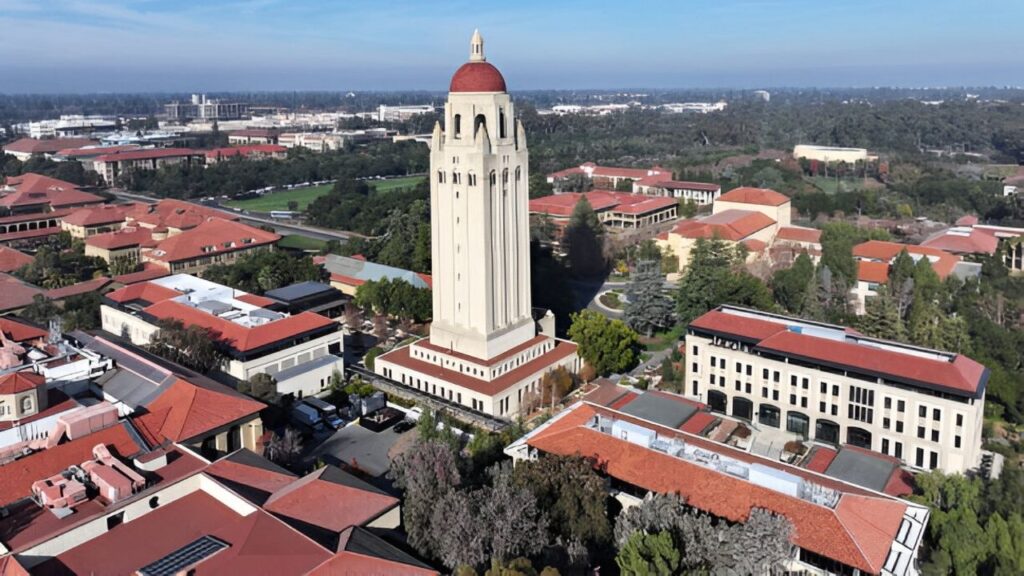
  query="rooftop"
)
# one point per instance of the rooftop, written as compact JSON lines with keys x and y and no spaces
{"x":732,"y":224}
{"x":15,"y":293}
{"x":963,"y":240}
{"x":11,"y":259}
{"x":147,"y":154}
{"x":46,"y":146}
{"x":214,"y":236}
{"x":32,"y":189}
{"x":356,"y":271}
{"x":838,"y":348}
{"x":748,"y":195}
{"x":881,"y":251}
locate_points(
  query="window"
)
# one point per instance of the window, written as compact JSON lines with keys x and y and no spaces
{"x":885,"y":423}
{"x":835,"y":390}
{"x":824,"y":388}
{"x":776,"y":376}
{"x":805,"y":383}
{"x":775,"y":394}
{"x":748,"y":387}
{"x":959,"y":420}
{"x":115,"y":520}
{"x":695,"y":351}
{"x":714,"y":362}
{"x":792,"y":399}
{"x":899,"y":426}
{"x":885,"y":445}
{"x":738,"y":386}
{"x":899,"y":450}
{"x":764,"y":374}
{"x":920,"y":431}
{"x":919,"y":458}
{"x":935,"y":435}
{"x":956,"y":442}
{"x":936,"y":414}
{"x":922,"y":411}
{"x":764,"y":392}
{"x":835,"y":410}
{"x":154,"y":502}
{"x":933,"y":462}
{"x":792,"y":380}
{"x":457,"y":120}
{"x":750,"y":369}
{"x":822,"y":407}
{"x":693,"y":367}
{"x":901,"y":406}
{"x":803,"y":402}
{"x":695,"y":387}
{"x":739,"y":368}
{"x":888,"y":403}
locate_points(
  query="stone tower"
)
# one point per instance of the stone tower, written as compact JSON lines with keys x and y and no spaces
{"x":480,"y":217}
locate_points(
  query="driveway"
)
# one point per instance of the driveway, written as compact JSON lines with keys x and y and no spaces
{"x":359,"y":448}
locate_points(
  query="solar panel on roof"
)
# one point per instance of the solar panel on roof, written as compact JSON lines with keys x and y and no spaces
{"x":187,"y":556}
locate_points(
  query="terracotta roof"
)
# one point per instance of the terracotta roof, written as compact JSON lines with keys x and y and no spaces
{"x":94,"y":285}
{"x":17,"y":382}
{"x":566,"y":172}
{"x":149,"y":272}
{"x":968,"y":220}
{"x":858,"y":532}
{"x":875,"y":272}
{"x":942,"y":262}
{"x":477,"y":77}
{"x":748,"y":195}
{"x":755,"y":245}
{"x":633,"y":173}
{"x":15,"y":293}
{"x":733,"y":225}
{"x":401,"y":357}
{"x":963,"y":241}
{"x":146,"y":291}
{"x":665,"y":181}
{"x":641,"y":204}
{"x":748,"y":329}
{"x":256,"y":300}
{"x":607,"y":393}
{"x":247,"y":150}
{"x":19,"y":331}
{"x":11,"y":259}
{"x":362,"y":552}
{"x":250,"y":474}
{"x":47,"y":146}
{"x":175,"y":214}
{"x":185,"y":411}
{"x":123,"y":238}
{"x":235,"y":335}
{"x":97,"y":215}
{"x":147,"y":154}
{"x":820,"y":458}
{"x":86,"y":152}
{"x":330,"y":498}
{"x":563,"y":204}
{"x":798,"y":234}
{"x":257,"y":542}
{"x":31,"y":189}
{"x":16,"y":478}
{"x":214,"y":236}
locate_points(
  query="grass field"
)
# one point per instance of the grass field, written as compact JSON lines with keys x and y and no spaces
{"x":279,"y":200}
{"x":301,"y":242}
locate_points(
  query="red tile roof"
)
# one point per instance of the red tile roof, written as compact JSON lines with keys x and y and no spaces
{"x":94,"y":285}
{"x":18,"y":382}
{"x":11,"y":259}
{"x":176,"y":214}
{"x":256,"y":300}
{"x":477,"y":77}
{"x":734,"y":225}
{"x":47,"y":146}
{"x":665,"y":181}
{"x":562,"y":204}
{"x":755,"y":245}
{"x":960,"y":375}
{"x":968,"y":220}
{"x":798,"y":234}
{"x":858,"y":531}
{"x":942,"y":262}
{"x":124,"y":238}
{"x":750,"y":329}
{"x":214,"y":236}
{"x":235,"y":335}
{"x":875,"y":272}
{"x":17,"y":477}
{"x":31,"y":189}
{"x":328,"y":504}
{"x":249,"y":150}
{"x":95,"y":150}
{"x":185,"y":411}
{"x":15,"y":293}
{"x":401,"y":357}
{"x":258,"y":543}
{"x":149,"y":272}
{"x":748,"y":195}
{"x":963,"y":241}
{"x":148,"y":154}
{"x":97,"y":215}
{"x":641,"y":204}
{"x":264,"y":480}
{"x":348,"y":563}
{"x":19,"y":331}
{"x":146,"y":291}
{"x":821,"y":458}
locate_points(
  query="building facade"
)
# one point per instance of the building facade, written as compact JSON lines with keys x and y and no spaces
{"x":484,"y":349}
{"x":829,"y":384}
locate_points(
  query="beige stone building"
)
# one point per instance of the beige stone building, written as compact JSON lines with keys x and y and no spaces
{"x":485,"y":349}
{"x":827,"y":383}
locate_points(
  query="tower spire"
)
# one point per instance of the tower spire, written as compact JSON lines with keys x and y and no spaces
{"x":476,"y":47}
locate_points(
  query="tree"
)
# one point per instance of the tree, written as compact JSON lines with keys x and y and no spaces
{"x":40,"y":311}
{"x":584,"y":240}
{"x":426,"y":474}
{"x":882,"y":318}
{"x":648,"y":555}
{"x":657,"y":513}
{"x":193,"y":347}
{"x":261,"y":386}
{"x":81,"y":312}
{"x":123,"y":265}
{"x":648,"y":307}
{"x":714,"y":277}
{"x":293,"y":206}
{"x":555,"y":384}
{"x":572,"y":495}
{"x":509,"y":517}
{"x":687,"y":208}
{"x":371,"y":356}
{"x":789,"y":285}
{"x":542,"y":229}
{"x":264,"y":270}
{"x":607,"y":345}
{"x":284,"y":449}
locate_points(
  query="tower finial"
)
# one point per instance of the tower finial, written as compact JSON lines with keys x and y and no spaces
{"x":476,"y":47}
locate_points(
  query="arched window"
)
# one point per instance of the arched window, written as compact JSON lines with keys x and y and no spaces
{"x":479,"y":121}
{"x":472,"y":179}
{"x":457,"y":121}
{"x":440,"y":176}
{"x":26,"y":404}
{"x":494,"y":178}
{"x":519,"y":174}
{"x":504,"y":176}
{"x":501,"y":123}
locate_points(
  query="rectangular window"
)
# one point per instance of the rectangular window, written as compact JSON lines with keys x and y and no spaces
{"x":959,"y":419}
{"x":824,"y":388}
{"x":922,"y":411}
{"x":935,"y":435}
{"x":900,"y":406}
{"x":899,"y":426}
{"x":776,"y":376}
{"x":919,"y":458}
{"x":888,"y":403}
{"x":936,"y":414}
{"x":899,"y":450}
{"x":920,"y":431}
{"x":694,"y":350}
{"x":805,"y":383}
{"x":694,"y":387}
{"x":750,"y":369}
{"x":792,"y":399}
{"x":739,"y":368}
{"x":835,"y":390}
{"x":764,"y":373}
{"x":775,"y":394}
{"x":738,"y":386}
{"x":835,"y":410}
{"x":885,"y":445}
{"x":764,"y":392}
{"x":933,"y":462}
{"x":714,"y":362}
{"x":693,"y":367}
{"x":748,"y":387}
{"x":956,"y":442}
{"x":792,"y":380}
{"x":822,"y":407}
{"x":885,"y":423}
{"x":803,"y":402}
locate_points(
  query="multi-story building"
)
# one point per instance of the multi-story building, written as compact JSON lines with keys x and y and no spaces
{"x":202,"y":108}
{"x":617,"y":210}
{"x":253,"y":136}
{"x":969,"y":238}
{"x":254,"y":151}
{"x":836,"y":386}
{"x":485,"y":349}
{"x":25,"y":148}
{"x":402,"y":113}
{"x":608,"y":176}
{"x":700,"y":193}
{"x":300,"y":351}
{"x":110,"y":166}
{"x":830,"y":154}
{"x":33,"y":193}
{"x":839,"y":527}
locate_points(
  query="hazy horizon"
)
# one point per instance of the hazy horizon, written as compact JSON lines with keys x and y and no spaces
{"x":160,"y":46}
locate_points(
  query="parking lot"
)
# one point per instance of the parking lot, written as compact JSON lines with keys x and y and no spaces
{"x":364,"y":449}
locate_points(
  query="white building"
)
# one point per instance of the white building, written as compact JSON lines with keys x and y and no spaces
{"x":485,"y":350}
{"x":300,"y":351}
{"x":832,"y":154}
{"x":827,"y":383}
{"x":402,"y":113}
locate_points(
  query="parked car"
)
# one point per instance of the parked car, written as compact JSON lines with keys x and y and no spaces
{"x":404,"y":426}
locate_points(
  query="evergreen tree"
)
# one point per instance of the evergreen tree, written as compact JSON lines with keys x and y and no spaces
{"x":882,"y":319}
{"x":648,"y":308}
{"x":649,"y":555}
{"x":584,"y":240}
{"x":789,"y":285}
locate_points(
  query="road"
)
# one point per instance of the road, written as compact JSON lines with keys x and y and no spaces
{"x":279,"y":227}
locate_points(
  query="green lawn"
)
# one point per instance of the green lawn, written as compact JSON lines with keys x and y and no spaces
{"x":279,"y":200}
{"x":301,"y":242}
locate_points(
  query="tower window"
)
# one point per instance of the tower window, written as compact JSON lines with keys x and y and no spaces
{"x":501,"y":122}
{"x":479,"y":121}
{"x":440,"y":176}
{"x":457,"y":121}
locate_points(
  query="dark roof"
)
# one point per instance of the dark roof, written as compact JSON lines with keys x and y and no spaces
{"x":658,"y":409}
{"x":249,"y":458}
{"x":338,"y":476}
{"x":362,"y":541}
{"x":862,"y":468}
{"x":298,"y":291}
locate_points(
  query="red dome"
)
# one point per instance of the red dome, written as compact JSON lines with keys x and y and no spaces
{"x":477,"y":77}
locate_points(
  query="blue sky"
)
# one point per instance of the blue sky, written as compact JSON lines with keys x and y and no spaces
{"x":211,"y":45}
